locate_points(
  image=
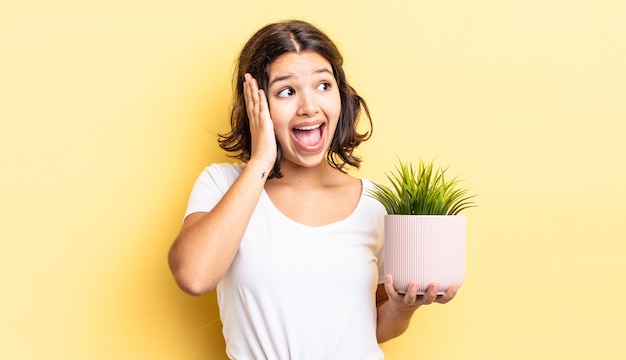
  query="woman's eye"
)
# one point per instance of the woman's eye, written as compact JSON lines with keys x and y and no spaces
{"x":286,"y":92}
{"x":323,"y":86}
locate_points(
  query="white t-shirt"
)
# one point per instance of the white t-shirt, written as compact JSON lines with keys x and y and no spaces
{"x":294,"y":291}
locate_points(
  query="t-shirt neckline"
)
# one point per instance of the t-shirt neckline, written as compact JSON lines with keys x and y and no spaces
{"x":267,"y":198}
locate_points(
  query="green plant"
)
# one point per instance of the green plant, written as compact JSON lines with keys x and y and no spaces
{"x":422,"y":192}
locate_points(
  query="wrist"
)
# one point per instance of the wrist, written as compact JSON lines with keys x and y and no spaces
{"x":259,"y":168}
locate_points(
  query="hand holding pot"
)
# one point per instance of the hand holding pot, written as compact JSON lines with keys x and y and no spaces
{"x":411,"y":300}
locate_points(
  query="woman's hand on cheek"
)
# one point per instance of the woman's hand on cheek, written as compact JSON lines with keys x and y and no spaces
{"x":410,"y":301}
{"x":261,"y":126}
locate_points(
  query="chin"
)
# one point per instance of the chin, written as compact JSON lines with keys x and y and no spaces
{"x":310,"y":160}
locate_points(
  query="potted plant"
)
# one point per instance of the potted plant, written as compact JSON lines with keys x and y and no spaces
{"x":424,"y":233}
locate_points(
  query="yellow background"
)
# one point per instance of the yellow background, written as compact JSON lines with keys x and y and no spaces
{"x":109,"y":109}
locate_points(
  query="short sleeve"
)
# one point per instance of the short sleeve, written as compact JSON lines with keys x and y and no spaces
{"x":379,"y":212}
{"x":381,"y":265}
{"x":211,"y":185}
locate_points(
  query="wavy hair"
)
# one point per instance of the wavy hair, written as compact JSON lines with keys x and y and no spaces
{"x":261,"y":50}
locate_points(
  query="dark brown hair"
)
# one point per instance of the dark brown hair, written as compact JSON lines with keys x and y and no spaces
{"x":265,"y":46}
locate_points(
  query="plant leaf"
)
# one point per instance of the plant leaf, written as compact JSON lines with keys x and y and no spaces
{"x":424,"y":191}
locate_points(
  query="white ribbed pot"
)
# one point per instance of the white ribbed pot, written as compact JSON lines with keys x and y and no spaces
{"x":425,"y":249}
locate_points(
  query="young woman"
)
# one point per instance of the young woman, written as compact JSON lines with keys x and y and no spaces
{"x":289,"y":239}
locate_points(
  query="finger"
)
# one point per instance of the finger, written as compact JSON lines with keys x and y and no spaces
{"x":448,"y":295}
{"x":411,"y":297}
{"x":391,"y":291}
{"x":254,"y":90}
{"x":265,"y":119}
{"x":263,"y":105}
{"x":431,"y":294}
{"x":393,"y":294}
{"x":251,"y":95}
{"x":246,"y":93}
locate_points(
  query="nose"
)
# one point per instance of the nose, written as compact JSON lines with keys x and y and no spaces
{"x":307,"y":104}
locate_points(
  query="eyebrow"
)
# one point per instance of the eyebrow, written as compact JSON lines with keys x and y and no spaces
{"x":288,"y":76}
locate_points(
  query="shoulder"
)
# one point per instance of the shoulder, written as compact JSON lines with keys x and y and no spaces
{"x":220,"y":175}
{"x":229,"y":170}
{"x":367,"y":184}
{"x":211,"y":185}
{"x":370,"y":201}
{"x":368,"y":187}
{"x":225,"y":170}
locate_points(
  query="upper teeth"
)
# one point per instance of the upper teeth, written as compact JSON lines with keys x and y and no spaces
{"x":312,"y":127}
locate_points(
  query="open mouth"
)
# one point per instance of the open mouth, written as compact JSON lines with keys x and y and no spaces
{"x":309,"y":136}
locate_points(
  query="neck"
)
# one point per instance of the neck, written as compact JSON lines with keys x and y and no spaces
{"x":295,"y":175}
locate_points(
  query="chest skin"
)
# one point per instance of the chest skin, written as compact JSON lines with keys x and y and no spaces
{"x":315,"y":205}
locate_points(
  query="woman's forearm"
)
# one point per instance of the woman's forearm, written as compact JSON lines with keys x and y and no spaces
{"x":207,"y":242}
{"x":392,"y":322}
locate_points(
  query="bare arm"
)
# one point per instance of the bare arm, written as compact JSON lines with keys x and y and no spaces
{"x":207,"y":242}
{"x":396,"y":310}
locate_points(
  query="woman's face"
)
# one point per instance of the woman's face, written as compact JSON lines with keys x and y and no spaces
{"x":304,"y":105}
